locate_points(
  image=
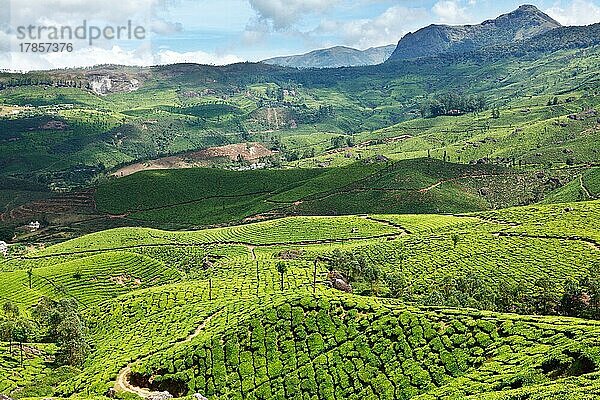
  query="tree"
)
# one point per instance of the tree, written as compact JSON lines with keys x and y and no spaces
{"x":545,"y":299}
{"x":6,"y":233}
{"x":373,"y":274}
{"x":338,"y":141}
{"x":9,"y":325}
{"x":30,"y":276}
{"x":73,"y":347}
{"x":23,"y":330}
{"x":396,"y":282}
{"x":61,"y":323}
{"x":7,"y":333}
{"x":282,"y":269}
{"x":574,"y":301}
{"x":455,"y":239}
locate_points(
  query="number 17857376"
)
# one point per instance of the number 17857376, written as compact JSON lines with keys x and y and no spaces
{"x":46,"y":47}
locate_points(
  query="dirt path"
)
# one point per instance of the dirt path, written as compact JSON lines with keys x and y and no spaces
{"x":122,"y":384}
{"x":585,"y":190}
{"x":590,"y":242}
{"x":251,"y":248}
{"x":479,"y":176}
{"x":403,"y":230}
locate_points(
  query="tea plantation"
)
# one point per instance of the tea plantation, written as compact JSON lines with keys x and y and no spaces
{"x":423,"y":229}
{"x":213,"y":311}
{"x":206,"y":197}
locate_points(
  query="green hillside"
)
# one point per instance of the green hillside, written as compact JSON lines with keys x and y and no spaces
{"x":68,"y":136}
{"x":200,"y":197}
{"x":225,"y":329}
{"x":422,"y":229}
{"x":585,"y":187}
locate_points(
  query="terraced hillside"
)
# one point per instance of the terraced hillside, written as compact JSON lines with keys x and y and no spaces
{"x":537,"y":117}
{"x":210,"y":311}
{"x":422,"y":229}
{"x":197,"y":197}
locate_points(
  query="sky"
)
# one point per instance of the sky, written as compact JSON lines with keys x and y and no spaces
{"x":227,"y":31}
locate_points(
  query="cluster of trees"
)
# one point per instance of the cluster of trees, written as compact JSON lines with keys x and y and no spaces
{"x":306,"y":115}
{"x":453,"y":104}
{"x":276,"y":93}
{"x":365,"y":276}
{"x":342,"y":141}
{"x":6,"y":233}
{"x":51,"y":321}
{"x":295,"y":155}
{"x":26,"y":80}
{"x":580,"y":298}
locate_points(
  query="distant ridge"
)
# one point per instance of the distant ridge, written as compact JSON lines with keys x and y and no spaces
{"x":335,"y":57}
{"x":524,"y":23}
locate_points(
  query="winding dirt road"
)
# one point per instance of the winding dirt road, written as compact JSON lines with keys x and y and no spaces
{"x":122,"y":384}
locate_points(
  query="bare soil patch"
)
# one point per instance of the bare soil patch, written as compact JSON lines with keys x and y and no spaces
{"x":251,"y":152}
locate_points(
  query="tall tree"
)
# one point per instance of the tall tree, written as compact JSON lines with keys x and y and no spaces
{"x":23,"y":331}
{"x":9,"y":325}
{"x":282,"y":269}
{"x":62,"y":324}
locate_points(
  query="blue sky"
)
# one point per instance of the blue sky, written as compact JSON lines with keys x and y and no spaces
{"x":225,"y":31}
{"x":256,"y":29}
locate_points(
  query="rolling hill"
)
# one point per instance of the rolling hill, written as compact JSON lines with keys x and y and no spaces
{"x":233,"y":330}
{"x":425,"y":228}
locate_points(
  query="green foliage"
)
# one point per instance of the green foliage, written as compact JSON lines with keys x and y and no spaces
{"x":453,"y":104}
{"x":63,"y":324}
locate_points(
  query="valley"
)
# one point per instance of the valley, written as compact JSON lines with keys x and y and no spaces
{"x":416,"y":221}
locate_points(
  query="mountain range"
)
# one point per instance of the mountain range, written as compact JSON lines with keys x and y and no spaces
{"x":522,"y":24}
{"x":339,"y":56}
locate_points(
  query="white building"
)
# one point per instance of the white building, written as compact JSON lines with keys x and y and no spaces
{"x":3,"y":248}
{"x":34,"y":226}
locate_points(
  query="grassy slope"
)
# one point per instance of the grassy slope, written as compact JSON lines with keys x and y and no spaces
{"x":438,"y":353}
{"x":172,"y":112}
{"x":200,"y":197}
{"x":584,"y":187}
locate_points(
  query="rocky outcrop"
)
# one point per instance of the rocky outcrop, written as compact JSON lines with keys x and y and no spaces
{"x":524,"y":23}
{"x":339,"y":282}
{"x":160,"y":396}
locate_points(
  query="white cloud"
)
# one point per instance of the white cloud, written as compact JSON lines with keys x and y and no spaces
{"x":387,"y":28}
{"x":282,"y":14}
{"x":85,"y":57}
{"x":74,"y":11}
{"x":450,"y":12}
{"x":90,"y":56}
{"x":578,"y":12}
{"x":197,"y":57}
{"x":105,"y":12}
{"x":163,"y":27}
